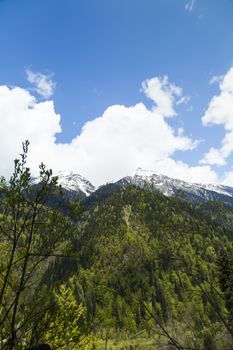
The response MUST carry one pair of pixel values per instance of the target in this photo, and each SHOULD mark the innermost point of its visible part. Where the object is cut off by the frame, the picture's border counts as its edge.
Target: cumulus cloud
(189, 5)
(108, 147)
(220, 112)
(163, 93)
(44, 85)
(213, 157)
(228, 178)
(21, 118)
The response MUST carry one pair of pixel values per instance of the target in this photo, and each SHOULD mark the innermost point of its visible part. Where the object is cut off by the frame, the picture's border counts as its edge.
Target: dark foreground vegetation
(135, 270)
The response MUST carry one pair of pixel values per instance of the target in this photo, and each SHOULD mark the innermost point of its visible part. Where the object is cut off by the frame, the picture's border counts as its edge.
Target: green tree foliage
(67, 326)
(134, 262)
(143, 254)
(225, 266)
(32, 235)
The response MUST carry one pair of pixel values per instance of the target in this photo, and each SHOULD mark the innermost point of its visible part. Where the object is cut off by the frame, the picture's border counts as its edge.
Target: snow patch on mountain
(159, 180)
(169, 186)
(74, 182)
(71, 181)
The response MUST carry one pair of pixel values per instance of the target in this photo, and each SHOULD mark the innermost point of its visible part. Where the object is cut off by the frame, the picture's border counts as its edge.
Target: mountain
(74, 185)
(74, 182)
(140, 263)
(168, 186)
(174, 187)
(139, 250)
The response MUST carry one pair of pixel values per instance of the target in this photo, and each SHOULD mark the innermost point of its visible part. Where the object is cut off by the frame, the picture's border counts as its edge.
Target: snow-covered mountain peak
(77, 185)
(151, 174)
(170, 186)
(74, 182)
(156, 178)
(71, 181)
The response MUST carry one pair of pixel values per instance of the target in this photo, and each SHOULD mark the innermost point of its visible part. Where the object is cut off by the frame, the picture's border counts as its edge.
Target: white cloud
(228, 178)
(163, 93)
(108, 147)
(220, 112)
(44, 85)
(180, 170)
(183, 100)
(21, 118)
(189, 5)
(213, 157)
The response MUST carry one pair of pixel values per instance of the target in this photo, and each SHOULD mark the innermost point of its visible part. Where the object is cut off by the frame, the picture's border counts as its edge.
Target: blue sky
(96, 54)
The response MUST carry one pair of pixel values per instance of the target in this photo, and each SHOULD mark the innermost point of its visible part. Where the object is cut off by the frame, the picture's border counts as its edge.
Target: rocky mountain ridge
(76, 185)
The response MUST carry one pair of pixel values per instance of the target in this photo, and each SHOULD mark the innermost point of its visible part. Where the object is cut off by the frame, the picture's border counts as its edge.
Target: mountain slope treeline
(146, 260)
(128, 269)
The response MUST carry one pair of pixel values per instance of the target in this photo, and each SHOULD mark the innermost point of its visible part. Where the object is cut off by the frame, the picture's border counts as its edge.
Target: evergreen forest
(132, 270)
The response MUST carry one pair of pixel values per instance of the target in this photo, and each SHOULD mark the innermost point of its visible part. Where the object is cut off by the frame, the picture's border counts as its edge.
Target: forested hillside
(146, 261)
(132, 270)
